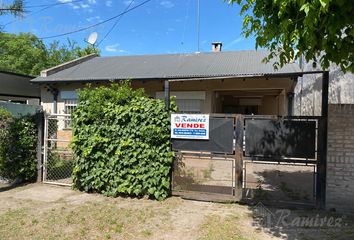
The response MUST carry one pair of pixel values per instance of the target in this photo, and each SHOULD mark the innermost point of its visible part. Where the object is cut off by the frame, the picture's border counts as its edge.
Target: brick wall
(340, 158)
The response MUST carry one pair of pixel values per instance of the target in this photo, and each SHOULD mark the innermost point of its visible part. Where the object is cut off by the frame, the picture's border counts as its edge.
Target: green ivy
(121, 142)
(18, 143)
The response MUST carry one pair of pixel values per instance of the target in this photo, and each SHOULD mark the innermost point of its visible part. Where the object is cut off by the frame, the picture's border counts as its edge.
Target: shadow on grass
(301, 223)
(9, 186)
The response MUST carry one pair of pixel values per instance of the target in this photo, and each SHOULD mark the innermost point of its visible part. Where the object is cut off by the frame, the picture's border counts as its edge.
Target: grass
(90, 216)
(89, 221)
(222, 228)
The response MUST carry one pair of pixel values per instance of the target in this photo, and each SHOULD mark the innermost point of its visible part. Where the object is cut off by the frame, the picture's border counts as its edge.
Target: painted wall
(308, 91)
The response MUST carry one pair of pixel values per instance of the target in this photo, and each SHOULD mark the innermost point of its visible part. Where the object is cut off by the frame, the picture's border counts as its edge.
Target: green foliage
(15, 8)
(25, 53)
(321, 29)
(58, 54)
(18, 142)
(121, 142)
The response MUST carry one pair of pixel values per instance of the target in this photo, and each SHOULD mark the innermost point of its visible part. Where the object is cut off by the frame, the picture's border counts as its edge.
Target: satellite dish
(92, 38)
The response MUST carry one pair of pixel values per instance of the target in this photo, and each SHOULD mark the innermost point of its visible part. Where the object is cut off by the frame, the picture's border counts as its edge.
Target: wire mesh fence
(58, 157)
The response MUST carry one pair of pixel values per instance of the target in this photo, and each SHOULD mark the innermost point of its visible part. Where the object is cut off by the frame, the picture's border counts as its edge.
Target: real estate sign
(190, 126)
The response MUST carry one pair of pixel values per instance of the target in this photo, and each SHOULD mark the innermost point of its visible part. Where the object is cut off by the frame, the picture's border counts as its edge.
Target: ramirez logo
(177, 119)
(285, 218)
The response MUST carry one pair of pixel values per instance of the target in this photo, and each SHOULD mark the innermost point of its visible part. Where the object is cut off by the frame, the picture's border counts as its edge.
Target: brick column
(340, 158)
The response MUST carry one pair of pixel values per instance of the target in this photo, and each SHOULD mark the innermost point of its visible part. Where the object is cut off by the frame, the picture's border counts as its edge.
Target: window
(189, 105)
(69, 107)
(186, 101)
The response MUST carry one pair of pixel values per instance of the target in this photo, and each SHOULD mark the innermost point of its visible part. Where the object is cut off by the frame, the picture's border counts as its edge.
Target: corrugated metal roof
(170, 66)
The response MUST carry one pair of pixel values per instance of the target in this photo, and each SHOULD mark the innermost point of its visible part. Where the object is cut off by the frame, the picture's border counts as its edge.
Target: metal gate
(281, 157)
(262, 158)
(210, 170)
(58, 159)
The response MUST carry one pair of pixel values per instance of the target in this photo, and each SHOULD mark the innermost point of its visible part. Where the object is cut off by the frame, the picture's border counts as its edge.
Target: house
(212, 82)
(17, 88)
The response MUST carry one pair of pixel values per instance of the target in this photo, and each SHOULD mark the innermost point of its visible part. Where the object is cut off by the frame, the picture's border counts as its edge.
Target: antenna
(92, 38)
(198, 24)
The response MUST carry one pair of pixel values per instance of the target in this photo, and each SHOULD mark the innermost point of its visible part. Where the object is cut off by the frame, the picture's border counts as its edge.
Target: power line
(46, 6)
(115, 24)
(97, 24)
(53, 4)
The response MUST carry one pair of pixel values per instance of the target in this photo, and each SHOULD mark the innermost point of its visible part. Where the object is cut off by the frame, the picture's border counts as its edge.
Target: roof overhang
(188, 78)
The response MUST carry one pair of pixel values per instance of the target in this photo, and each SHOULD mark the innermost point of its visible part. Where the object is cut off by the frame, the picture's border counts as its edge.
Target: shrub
(18, 143)
(121, 142)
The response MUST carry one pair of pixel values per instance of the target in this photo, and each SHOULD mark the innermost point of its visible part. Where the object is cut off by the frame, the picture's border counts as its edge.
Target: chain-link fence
(58, 157)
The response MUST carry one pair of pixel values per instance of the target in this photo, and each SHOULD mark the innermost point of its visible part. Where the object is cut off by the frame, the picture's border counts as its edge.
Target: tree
(25, 53)
(15, 8)
(63, 53)
(320, 30)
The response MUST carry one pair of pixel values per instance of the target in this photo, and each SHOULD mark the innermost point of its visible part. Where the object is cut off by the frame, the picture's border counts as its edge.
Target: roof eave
(269, 75)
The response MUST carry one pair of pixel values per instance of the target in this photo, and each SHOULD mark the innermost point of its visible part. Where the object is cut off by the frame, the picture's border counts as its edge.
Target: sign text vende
(190, 126)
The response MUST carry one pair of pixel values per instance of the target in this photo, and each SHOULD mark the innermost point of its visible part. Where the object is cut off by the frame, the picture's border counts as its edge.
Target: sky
(157, 27)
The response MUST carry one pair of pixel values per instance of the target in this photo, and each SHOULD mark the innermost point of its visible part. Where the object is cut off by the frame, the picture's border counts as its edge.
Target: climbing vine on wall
(121, 142)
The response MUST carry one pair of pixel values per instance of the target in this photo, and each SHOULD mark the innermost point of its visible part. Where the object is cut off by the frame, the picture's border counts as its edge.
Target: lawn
(40, 211)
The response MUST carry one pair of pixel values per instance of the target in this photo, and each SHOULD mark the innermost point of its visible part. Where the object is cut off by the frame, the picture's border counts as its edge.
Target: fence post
(167, 95)
(39, 121)
(322, 156)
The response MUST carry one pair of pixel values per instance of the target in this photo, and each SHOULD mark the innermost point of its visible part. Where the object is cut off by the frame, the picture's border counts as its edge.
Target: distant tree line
(26, 54)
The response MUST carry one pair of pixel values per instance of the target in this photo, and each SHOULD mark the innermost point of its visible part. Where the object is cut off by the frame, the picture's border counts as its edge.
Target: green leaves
(18, 142)
(25, 53)
(121, 142)
(305, 8)
(320, 29)
(15, 8)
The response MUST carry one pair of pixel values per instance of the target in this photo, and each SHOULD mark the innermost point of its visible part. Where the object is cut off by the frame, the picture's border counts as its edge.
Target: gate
(280, 159)
(210, 169)
(251, 158)
(58, 159)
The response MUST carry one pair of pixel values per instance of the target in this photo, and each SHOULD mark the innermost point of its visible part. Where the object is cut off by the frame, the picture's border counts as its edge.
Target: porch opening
(251, 101)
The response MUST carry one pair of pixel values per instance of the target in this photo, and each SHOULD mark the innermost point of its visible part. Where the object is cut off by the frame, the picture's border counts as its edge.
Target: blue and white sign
(190, 126)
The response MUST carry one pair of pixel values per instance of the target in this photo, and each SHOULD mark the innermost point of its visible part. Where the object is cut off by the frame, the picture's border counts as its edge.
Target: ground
(39, 211)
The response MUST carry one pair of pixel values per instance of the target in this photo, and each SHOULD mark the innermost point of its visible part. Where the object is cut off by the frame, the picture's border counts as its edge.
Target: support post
(40, 127)
(167, 95)
(290, 103)
(167, 107)
(322, 148)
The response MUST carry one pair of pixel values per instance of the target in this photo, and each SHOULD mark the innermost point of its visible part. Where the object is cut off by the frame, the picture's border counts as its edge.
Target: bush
(18, 143)
(121, 142)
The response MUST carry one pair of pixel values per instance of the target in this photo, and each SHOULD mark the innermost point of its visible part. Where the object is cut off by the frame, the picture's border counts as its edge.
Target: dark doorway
(240, 105)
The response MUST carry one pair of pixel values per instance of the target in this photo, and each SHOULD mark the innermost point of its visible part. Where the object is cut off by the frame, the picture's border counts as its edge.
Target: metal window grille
(69, 107)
